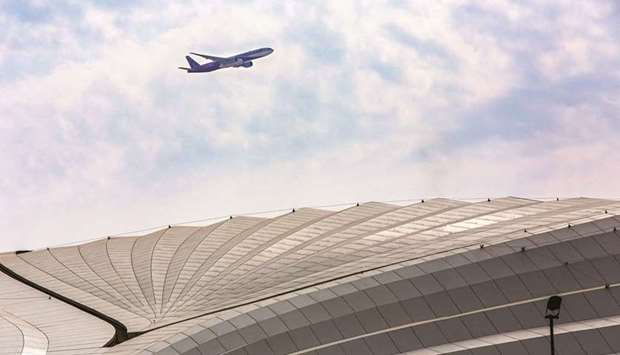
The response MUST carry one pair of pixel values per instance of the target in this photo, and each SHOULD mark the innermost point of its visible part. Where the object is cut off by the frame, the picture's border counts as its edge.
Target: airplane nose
(269, 50)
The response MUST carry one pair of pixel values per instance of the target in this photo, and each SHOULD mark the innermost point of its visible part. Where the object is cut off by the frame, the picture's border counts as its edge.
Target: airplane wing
(210, 57)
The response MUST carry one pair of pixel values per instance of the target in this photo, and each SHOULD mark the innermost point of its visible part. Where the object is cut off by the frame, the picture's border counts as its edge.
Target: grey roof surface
(439, 276)
(33, 323)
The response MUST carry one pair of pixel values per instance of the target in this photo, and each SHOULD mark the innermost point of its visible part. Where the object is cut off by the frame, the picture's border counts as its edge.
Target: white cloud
(361, 100)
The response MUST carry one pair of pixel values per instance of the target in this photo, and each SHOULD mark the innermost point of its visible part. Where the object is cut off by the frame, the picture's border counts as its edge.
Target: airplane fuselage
(239, 60)
(255, 54)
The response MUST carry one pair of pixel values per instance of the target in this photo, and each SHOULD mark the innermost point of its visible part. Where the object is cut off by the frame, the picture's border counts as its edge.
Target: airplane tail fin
(192, 63)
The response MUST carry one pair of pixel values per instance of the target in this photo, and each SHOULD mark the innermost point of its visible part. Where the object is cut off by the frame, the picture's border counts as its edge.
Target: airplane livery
(240, 60)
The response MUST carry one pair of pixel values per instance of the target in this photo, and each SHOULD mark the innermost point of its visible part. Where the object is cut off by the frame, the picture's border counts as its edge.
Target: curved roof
(33, 323)
(184, 279)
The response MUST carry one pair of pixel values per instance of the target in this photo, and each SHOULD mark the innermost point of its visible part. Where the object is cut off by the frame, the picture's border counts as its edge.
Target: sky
(361, 101)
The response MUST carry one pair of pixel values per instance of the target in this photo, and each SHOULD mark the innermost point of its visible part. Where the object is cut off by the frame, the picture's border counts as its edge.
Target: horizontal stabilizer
(210, 57)
(183, 68)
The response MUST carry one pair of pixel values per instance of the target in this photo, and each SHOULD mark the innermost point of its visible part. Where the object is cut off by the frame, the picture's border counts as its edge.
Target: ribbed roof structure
(31, 322)
(437, 276)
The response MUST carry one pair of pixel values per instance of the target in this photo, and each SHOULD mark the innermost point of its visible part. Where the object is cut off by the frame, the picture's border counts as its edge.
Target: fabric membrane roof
(173, 279)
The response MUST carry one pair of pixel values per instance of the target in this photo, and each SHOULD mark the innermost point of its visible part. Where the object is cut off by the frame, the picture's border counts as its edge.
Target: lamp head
(553, 307)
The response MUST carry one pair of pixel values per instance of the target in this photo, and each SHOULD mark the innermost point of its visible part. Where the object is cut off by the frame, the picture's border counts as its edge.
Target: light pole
(553, 312)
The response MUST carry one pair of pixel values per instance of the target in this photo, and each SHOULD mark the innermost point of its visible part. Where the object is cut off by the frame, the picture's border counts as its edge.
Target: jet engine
(247, 64)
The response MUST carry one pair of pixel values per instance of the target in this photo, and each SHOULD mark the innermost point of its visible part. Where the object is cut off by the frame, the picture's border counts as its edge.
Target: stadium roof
(438, 276)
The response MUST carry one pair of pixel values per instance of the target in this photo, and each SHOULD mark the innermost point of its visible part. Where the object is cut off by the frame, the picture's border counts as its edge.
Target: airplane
(239, 60)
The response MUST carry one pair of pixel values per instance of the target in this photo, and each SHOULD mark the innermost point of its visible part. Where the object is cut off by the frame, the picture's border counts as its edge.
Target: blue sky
(100, 133)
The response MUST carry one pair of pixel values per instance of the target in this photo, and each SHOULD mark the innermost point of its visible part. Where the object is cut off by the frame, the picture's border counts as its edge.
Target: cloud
(382, 100)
